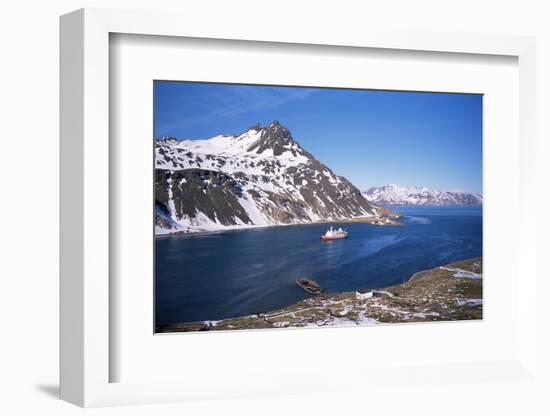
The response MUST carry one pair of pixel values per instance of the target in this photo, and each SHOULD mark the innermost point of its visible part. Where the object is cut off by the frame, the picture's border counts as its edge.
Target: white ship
(334, 234)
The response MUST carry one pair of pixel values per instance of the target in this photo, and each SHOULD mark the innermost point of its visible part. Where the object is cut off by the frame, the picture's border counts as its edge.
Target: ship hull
(333, 238)
(310, 286)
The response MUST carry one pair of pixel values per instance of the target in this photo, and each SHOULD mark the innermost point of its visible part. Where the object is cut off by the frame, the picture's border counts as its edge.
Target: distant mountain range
(400, 195)
(258, 178)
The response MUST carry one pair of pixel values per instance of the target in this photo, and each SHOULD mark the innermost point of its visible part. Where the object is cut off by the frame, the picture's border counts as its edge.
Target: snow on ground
(254, 213)
(463, 274)
(424, 314)
(171, 206)
(470, 302)
(202, 224)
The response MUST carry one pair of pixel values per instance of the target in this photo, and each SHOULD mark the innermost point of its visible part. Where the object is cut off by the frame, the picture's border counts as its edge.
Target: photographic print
(294, 207)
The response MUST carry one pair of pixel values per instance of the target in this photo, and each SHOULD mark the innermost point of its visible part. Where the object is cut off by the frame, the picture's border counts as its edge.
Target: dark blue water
(227, 274)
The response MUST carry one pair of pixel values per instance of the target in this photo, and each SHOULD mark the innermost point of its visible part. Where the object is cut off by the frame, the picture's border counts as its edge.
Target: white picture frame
(86, 355)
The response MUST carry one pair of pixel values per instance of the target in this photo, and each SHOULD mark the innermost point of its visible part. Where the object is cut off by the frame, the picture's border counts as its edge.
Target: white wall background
(29, 209)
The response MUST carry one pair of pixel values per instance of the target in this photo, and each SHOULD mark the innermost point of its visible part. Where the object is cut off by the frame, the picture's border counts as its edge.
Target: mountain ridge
(393, 194)
(260, 177)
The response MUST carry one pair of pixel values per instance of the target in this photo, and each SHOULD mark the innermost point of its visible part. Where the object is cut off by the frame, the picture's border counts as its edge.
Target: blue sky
(370, 137)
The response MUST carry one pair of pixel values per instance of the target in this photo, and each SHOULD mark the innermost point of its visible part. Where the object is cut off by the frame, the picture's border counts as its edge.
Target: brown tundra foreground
(448, 293)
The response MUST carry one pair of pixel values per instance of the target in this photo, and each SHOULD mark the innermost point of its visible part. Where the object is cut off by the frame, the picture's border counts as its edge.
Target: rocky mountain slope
(261, 177)
(399, 195)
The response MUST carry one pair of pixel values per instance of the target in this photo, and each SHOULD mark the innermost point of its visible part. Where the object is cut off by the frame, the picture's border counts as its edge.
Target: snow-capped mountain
(400, 195)
(258, 178)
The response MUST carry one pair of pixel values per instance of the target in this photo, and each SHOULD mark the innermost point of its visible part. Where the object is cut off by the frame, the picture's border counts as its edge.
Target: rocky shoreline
(451, 292)
(389, 219)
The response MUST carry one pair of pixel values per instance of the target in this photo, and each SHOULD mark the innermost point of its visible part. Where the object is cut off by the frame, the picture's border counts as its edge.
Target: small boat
(334, 234)
(310, 286)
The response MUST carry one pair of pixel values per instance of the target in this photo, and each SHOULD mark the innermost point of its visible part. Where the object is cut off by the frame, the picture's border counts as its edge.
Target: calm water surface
(227, 274)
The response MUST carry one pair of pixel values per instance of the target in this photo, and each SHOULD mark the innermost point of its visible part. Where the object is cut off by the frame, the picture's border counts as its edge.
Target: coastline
(383, 221)
(450, 292)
